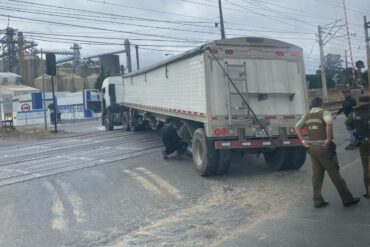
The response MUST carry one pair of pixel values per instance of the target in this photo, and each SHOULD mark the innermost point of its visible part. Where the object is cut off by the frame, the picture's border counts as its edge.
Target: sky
(163, 28)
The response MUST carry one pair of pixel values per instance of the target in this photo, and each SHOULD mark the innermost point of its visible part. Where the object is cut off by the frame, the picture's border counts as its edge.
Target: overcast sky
(166, 27)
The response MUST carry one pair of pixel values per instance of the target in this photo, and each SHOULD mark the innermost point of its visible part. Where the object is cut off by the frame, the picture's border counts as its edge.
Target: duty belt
(317, 143)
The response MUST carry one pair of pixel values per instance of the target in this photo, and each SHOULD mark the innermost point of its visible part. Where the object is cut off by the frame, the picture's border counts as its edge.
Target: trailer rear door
(272, 82)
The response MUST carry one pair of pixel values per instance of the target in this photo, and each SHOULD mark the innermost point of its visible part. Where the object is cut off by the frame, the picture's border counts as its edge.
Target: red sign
(25, 107)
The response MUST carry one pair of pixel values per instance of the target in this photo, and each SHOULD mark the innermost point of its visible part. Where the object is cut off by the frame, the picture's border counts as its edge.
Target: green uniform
(322, 158)
(359, 120)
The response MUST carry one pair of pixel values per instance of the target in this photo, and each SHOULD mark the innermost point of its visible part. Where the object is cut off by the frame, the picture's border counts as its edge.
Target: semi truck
(237, 95)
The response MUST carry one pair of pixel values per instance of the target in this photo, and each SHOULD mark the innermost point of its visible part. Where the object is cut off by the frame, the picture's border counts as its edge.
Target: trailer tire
(133, 125)
(277, 159)
(299, 158)
(125, 121)
(204, 153)
(108, 124)
(224, 161)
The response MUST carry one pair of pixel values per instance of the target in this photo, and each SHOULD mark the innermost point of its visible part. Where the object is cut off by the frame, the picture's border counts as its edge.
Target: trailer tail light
(294, 53)
(217, 132)
(224, 131)
(229, 52)
(280, 53)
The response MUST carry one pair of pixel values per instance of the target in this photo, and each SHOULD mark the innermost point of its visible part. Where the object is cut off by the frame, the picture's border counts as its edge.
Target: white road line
(57, 208)
(75, 201)
(148, 185)
(162, 183)
(348, 165)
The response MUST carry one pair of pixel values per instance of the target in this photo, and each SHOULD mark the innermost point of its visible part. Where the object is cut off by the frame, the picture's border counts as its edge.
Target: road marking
(348, 165)
(148, 185)
(57, 209)
(162, 183)
(75, 201)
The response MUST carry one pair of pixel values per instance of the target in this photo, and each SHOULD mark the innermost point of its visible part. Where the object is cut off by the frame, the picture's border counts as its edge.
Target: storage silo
(91, 80)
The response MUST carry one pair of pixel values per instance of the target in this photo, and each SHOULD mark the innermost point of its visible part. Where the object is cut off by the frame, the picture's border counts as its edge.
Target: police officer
(171, 141)
(359, 120)
(348, 104)
(319, 124)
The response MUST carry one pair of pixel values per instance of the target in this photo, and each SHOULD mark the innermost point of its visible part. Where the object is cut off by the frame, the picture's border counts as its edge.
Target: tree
(313, 81)
(333, 69)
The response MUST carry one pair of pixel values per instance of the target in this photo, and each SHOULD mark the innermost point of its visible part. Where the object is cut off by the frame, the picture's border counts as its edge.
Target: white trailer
(241, 94)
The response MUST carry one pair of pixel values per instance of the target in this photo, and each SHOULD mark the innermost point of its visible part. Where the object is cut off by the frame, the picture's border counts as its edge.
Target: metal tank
(109, 64)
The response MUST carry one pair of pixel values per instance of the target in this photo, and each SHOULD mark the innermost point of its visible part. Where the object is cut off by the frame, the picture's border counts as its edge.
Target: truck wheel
(108, 121)
(125, 121)
(277, 159)
(204, 153)
(299, 158)
(224, 160)
(133, 125)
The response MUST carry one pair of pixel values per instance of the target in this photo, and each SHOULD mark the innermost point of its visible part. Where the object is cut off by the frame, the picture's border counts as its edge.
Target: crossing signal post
(52, 71)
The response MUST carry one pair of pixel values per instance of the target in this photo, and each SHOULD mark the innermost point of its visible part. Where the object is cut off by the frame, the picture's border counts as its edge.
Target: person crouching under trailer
(171, 140)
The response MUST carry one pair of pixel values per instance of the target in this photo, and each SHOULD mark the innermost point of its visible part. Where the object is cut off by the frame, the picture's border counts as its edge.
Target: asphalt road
(90, 187)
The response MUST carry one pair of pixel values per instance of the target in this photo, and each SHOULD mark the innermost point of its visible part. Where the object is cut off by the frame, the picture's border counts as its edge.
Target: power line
(90, 27)
(111, 38)
(264, 15)
(109, 14)
(104, 21)
(143, 9)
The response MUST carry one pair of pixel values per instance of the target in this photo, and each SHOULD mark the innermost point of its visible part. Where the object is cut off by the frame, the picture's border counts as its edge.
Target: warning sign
(25, 107)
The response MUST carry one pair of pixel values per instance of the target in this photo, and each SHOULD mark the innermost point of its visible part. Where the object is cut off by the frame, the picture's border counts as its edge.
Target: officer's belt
(318, 143)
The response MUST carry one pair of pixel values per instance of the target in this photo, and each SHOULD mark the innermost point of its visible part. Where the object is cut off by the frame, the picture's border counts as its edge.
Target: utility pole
(367, 26)
(323, 73)
(137, 57)
(221, 20)
(128, 55)
(346, 59)
(43, 92)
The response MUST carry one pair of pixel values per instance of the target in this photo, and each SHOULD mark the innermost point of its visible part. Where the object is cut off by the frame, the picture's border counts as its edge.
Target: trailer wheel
(277, 159)
(108, 124)
(133, 124)
(299, 158)
(224, 160)
(204, 153)
(125, 121)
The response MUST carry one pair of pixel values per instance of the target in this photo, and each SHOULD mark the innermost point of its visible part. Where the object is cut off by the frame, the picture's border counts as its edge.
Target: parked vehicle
(240, 94)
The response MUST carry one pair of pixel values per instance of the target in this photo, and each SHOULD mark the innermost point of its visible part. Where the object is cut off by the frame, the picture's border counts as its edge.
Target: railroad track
(28, 162)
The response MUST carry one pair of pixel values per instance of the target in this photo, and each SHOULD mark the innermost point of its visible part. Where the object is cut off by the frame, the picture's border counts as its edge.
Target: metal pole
(54, 105)
(43, 92)
(137, 57)
(128, 55)
(346, 59)
(323, 73)
(221, 20)
(367, 26)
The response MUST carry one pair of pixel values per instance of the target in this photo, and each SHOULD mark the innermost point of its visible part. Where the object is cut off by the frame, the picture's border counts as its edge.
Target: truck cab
(112, 92)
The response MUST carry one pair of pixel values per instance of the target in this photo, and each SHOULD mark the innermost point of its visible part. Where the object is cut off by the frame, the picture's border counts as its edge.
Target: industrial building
(74, 72)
